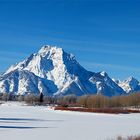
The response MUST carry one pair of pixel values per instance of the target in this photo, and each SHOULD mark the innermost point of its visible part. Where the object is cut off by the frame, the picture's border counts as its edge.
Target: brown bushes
(31, 99)
(103, 104)
(69, 100)
(129, 138)
(98, 110)
(100, 101)
(94, 101)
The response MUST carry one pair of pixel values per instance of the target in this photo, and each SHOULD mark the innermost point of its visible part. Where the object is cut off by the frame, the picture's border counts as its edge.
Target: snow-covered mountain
(55, 72)
(130, 85)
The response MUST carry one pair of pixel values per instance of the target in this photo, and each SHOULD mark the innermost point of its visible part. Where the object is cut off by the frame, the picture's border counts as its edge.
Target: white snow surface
(21, 122)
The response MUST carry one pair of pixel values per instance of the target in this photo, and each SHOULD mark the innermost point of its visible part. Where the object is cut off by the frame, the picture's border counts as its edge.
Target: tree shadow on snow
(12, 121)
(23, 120)
(22, 127)
(27, 119)
(19, 119)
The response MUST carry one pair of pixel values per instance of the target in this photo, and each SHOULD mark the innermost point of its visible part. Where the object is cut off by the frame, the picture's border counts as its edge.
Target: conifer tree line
(87, 101)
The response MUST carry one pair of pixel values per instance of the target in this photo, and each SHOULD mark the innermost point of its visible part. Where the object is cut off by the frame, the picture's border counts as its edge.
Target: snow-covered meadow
(21, 122)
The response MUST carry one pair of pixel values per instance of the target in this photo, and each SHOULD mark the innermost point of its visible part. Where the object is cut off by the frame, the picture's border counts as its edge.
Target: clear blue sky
(103, 34)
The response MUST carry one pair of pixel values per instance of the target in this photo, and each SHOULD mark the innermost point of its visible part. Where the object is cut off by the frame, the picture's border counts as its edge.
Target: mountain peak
(50, 49)
(103, 73)
(131, 78)
(130, 84)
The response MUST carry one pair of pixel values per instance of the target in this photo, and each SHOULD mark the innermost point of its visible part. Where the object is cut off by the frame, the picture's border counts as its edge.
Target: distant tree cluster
(100, 101)
(69, 100)
(87, 101)
(50, 100)
(7, 97)
(29, 98)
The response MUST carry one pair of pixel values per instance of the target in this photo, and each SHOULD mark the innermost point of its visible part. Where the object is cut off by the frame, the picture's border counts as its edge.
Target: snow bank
(18, 122)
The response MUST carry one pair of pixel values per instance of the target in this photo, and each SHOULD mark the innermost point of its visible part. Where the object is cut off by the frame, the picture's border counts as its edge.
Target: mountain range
(54, 72)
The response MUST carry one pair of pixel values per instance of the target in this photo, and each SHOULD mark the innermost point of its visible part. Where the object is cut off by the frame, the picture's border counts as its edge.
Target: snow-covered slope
(55, 72)
(23, 81)
(130, 85)
(105, 84)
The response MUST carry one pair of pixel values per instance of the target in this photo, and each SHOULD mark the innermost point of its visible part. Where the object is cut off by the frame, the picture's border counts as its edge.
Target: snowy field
(20, 122)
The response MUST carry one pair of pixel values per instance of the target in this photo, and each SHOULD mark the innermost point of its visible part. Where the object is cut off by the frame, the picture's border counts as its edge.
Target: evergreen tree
(41, 96)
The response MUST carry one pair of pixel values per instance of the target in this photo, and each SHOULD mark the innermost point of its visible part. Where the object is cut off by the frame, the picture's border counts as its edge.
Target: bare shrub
(31, 99)
(68, 100)
(5, 97)
(82, 101)
(129, 138)
(20, 98)
(100, 101)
